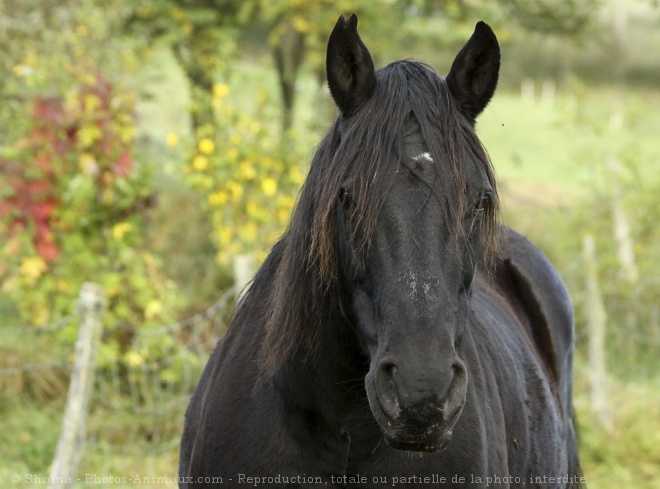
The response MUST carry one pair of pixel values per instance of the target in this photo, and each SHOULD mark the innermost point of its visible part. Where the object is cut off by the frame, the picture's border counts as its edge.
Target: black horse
(396, 334)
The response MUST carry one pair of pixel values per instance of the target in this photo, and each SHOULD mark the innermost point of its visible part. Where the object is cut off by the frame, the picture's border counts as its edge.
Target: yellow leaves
(89, 134)
(206, 146)
(172, 139)
(134, 358)
(32, 58)
(220, 90)
(108, 179)
(246, 171)
(296, 175)
(120, 230)
(108, 196)
(218, 198)
(200, 163)
(32, 267)
(301, 24)
(253, 210)
(283, 215)
(503, 34)
(249, 232)
(231, 154)
(225, 235)
(254, 127)
(269, 186)
(63, 286)
(81, 30)
(126, 133)
(286, 202)
(22, 71)
(91, 102)
(87, 164)
(250, 177)
(154, 308)
(235, 189)
(262, 96)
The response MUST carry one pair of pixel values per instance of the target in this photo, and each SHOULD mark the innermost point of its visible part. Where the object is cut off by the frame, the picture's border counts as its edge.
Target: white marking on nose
(420, 285)
(425, 156)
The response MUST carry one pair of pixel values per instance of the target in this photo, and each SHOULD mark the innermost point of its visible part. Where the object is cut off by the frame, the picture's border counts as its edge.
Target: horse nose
(420, 393)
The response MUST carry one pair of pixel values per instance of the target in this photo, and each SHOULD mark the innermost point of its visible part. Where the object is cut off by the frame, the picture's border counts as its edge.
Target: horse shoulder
(525, 274)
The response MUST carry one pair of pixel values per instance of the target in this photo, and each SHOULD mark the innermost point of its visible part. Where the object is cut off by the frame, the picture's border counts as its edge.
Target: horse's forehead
(413, 143)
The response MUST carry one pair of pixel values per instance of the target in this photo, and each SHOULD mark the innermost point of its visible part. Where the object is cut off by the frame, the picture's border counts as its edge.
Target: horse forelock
(361, 152)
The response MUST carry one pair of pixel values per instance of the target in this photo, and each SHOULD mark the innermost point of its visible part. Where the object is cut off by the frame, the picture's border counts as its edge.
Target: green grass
(627, 455)
(561, 148)
(30, 431)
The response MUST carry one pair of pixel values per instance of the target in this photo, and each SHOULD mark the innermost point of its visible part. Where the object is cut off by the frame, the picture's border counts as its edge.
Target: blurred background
(156, 148)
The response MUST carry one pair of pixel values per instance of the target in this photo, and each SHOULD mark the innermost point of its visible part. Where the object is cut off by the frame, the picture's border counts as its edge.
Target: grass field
(549, 157)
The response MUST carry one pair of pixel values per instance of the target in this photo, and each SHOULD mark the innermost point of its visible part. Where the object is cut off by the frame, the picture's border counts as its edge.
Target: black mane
(298, 275)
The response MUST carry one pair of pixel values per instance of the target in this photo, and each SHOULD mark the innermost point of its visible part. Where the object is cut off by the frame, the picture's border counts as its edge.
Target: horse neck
(331, 375)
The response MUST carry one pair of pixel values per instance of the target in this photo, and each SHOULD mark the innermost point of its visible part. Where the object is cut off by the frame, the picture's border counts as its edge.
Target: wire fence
(135, 408)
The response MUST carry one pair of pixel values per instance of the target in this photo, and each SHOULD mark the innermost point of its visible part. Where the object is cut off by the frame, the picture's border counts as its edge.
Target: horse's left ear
(473, 75)
(349, 67)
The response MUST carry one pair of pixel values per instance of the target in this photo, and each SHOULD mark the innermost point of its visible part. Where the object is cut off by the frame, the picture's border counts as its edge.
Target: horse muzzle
(417, 409)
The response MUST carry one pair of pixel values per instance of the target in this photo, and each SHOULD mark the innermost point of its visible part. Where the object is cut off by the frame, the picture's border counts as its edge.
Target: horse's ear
(473, 75)
(349, 67)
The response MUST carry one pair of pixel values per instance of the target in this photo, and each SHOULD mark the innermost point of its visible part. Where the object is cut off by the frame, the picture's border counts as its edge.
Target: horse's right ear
(349, 67)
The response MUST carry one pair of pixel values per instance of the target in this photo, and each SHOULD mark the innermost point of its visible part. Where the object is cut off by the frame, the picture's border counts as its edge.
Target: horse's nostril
(389, 369)
(387, 388)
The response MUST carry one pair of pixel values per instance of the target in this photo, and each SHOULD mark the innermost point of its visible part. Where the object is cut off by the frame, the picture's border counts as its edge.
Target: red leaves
(58, 137)
(49, 111)
(123, 165)
(31, 202)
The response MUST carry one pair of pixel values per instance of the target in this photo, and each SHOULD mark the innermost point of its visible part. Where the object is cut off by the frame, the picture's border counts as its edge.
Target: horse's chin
(417, 437)
(430, 444)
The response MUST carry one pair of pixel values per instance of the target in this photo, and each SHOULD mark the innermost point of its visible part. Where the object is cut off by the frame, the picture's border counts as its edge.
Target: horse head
(414, 201)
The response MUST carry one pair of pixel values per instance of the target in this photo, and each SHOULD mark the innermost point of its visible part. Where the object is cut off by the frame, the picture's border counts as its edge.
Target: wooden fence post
(527, 90)
(244, 266)
(624, 250)
(72, 437)
(596, 329)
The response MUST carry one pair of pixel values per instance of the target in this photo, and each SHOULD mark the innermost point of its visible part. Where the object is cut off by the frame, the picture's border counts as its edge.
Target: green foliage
(560, 17)
(75, 196)
(626, 456)
(248, 174)
(202, 36)
(75, 207)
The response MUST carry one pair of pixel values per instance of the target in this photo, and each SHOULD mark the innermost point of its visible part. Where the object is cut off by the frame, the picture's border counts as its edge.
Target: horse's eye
(484, 201)
(344, 197)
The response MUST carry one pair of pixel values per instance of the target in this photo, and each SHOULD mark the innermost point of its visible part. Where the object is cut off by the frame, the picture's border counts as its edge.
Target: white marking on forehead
(426, 156)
